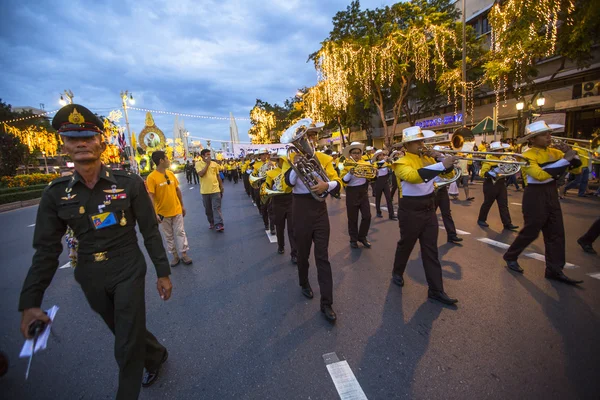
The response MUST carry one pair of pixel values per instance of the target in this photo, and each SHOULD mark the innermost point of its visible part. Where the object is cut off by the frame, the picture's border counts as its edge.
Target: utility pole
(125, 97)
(464, 62)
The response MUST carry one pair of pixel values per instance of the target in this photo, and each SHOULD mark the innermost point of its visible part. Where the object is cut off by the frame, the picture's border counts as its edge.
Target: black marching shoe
(586, 247)
(442, 297)
(379, 215)
(511, 227)
(366, 243)
(483, 223)
(561, 277)
(280, 250)
(307, 291)
(294, 260)
(273, 233)
(354, 245)
(454, 239)
(514, 266)
(398, 280)
(329, 313)
(393, 218)
(152, 376)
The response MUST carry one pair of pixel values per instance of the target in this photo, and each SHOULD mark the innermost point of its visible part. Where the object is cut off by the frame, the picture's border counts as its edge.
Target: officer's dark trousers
(382, 186)
(188, 176)
(196, 177)
(417, 220)
(282, 207)
(541, 212)
(442, 200)
(246, 180)
(592, 234)
(115, 290)
(235, 175)
(311, 224)
(357, 199)
(496, 193)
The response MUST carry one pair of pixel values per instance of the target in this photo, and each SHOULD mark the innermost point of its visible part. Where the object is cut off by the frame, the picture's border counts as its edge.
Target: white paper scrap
(42, 339)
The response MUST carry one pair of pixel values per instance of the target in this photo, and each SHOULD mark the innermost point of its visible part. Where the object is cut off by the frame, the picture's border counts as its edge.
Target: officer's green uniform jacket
(68, 201)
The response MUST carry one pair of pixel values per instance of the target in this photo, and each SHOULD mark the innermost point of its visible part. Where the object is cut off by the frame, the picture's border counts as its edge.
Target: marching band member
(541, 207)
(246, 167)
(382, 184)
(311, 225)
(269, 204)
(494, 189)
(263, 159)
(368, 154)
(416, 212)
(282, 205)
(357, 197)
(336, 160)
(442, 201)
(589, 237)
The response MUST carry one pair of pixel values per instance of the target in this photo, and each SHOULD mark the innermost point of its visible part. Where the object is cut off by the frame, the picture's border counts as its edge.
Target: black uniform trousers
(311, 224)
(195, 176)
(282, 209)
(592, 234)
(382, 186)
(442, 200)
(235, 175)
(115, 289)
(357, 199)
(496, 193)
(394, 185)
(270, 214)
(541, 212)
(246, 180)
(417, 220)
(188, 175)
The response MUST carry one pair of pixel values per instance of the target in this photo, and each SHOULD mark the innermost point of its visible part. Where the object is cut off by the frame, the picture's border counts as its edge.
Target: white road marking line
(343, 378)
(272, 238)
(517, 204)
(494, 243)
(457, 231)
(29, 226)
(595, 275)
(67, 265)
(382, 208)
(541, 257)
(191, 187)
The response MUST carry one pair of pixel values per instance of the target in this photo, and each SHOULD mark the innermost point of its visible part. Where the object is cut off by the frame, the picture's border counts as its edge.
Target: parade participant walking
(259, 171)
(211, 188)
(541, 207)
(589, 237)
(494, 189)
(311, 224)
(164, 191)
(188, 171)
(382, 184)
(416, 212)
(442, 201)
(580, 175)
(463, 165)
(102, 207)
(357, 196)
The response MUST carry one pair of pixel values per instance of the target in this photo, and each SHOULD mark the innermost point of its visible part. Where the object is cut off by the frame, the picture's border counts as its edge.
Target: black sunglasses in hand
(167, 178)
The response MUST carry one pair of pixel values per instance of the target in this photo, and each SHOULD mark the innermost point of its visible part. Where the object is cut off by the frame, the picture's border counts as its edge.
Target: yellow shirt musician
(257, 177)
(541, 206)
(416, 211)
(494, 188)
(382, 183)
(309, 214)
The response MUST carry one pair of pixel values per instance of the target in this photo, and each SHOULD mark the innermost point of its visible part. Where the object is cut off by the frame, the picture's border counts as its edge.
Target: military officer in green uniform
(102, 207)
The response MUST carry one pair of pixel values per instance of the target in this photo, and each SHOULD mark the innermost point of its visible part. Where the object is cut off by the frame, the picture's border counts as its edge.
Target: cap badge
(76, 118)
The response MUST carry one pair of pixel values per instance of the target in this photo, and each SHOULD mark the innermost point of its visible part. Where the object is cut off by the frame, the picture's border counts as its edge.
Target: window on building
(485, 25)
(477, 27)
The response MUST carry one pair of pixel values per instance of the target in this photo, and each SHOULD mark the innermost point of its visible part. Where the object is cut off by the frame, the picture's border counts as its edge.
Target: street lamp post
(529, 109)
(69, 98)
(45, 160)
(125, 98)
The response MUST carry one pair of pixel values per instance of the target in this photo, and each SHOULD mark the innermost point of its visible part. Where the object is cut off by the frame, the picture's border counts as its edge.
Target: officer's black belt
(107, 255)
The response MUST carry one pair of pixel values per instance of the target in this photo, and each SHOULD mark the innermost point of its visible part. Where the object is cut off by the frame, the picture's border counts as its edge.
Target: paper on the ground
(42, 339)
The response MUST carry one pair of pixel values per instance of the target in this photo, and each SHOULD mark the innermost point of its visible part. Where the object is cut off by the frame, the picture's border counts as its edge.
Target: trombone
(427, 148)
(593, 149)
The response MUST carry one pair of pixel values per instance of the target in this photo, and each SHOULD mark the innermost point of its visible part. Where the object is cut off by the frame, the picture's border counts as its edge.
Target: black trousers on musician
(442, 201)
(263, 209)
(357, 200)
(495, 193)
(246, 180)
(592, 234)
(382, 186)
(311, 225)
(394, 188)
(235, 175)
(270, 214)
(541, 213)
(282, 208)
(417, 220)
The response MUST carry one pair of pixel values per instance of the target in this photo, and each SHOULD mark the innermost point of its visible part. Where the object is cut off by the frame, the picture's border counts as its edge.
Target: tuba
(361, 170)
(276, 189)
(256, 180)
(306, 165)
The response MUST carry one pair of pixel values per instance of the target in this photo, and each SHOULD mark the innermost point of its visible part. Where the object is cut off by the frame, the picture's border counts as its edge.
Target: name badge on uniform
(120, 196)
(104, 220)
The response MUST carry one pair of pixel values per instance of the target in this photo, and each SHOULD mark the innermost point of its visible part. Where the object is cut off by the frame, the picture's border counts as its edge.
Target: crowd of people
(102, 207)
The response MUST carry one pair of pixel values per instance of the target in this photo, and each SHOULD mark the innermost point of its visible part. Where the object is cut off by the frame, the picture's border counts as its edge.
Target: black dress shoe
(307, 291)
(514, 265)
(354, 245)
(379, 215)
(511, 227)
(398, 280)
(393, 218)
(442, 297)
(561, 277)
(280, 250)
(329, 313)
(483, 223)
(586, 247)
(366, 243)
(294, 260)
(273, 233)
(454, 239)
(151, 376)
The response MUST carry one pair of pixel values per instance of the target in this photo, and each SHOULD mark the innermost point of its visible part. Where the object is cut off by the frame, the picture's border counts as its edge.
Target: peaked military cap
(74, 120)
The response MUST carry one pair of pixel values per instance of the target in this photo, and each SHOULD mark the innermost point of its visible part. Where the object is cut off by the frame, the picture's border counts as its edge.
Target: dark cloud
(198, 57)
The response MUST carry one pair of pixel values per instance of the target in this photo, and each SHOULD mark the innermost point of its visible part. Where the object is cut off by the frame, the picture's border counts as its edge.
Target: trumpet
(593, 150)
(366, 171)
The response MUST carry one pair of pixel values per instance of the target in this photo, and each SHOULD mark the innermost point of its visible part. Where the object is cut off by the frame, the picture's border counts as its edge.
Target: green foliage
(21, 196)
(7, 190)
(26, 180)
(11, 154)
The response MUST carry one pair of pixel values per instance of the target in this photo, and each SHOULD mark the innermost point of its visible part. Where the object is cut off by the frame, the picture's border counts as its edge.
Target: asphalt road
(237, 326)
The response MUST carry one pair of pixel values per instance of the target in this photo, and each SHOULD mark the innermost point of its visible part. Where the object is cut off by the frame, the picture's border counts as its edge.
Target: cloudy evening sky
(198, 57)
